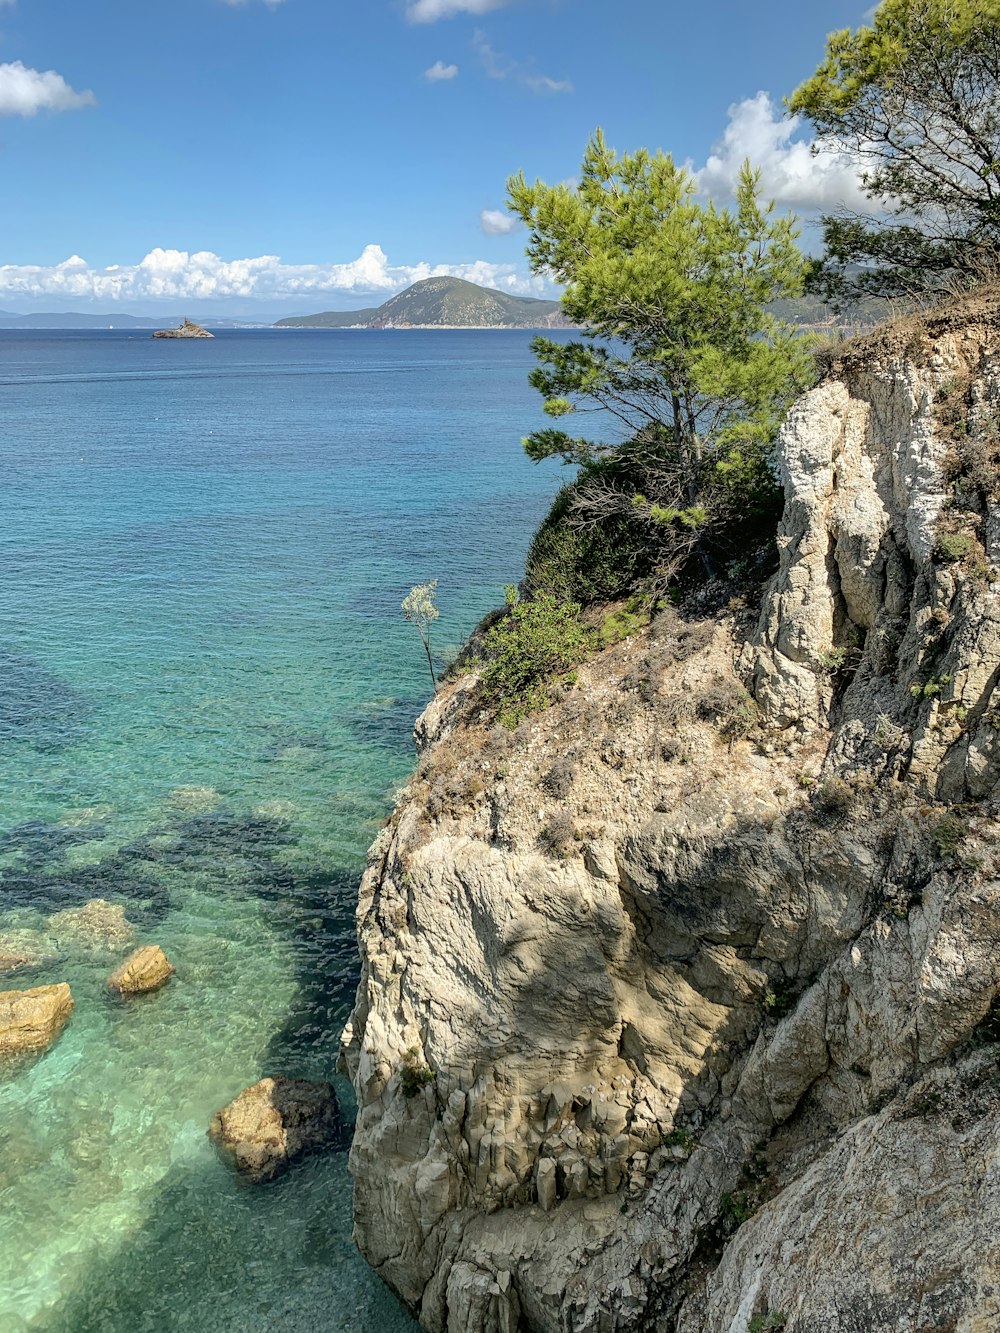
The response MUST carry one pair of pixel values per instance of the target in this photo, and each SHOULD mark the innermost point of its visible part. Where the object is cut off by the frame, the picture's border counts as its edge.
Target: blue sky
(296, 155)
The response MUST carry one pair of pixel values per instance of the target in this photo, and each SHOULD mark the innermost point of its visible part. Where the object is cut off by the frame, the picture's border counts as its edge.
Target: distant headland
(185, 330)
(441, 303)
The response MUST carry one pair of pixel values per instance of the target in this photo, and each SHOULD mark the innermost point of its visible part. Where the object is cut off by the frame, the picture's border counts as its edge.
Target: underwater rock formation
(98, 926)
(25, 951)
(678, 1006)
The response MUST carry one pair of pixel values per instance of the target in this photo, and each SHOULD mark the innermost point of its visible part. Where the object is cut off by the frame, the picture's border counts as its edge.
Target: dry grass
(912, 334)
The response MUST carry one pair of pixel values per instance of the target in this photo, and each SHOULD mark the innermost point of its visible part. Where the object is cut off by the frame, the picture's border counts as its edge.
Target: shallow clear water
(206, 695)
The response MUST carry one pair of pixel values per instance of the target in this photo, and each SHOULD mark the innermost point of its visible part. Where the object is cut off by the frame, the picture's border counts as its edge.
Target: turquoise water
(206, 695)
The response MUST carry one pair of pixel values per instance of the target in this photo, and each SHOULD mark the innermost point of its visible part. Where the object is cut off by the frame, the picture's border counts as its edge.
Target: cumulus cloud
(439, 71)
(499, 66)
(429, 11)
(24, 91)
(791, 173)
(172, 275)
(495, 222)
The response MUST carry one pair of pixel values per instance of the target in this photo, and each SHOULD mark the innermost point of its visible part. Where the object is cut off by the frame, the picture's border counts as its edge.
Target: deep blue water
(206, 695)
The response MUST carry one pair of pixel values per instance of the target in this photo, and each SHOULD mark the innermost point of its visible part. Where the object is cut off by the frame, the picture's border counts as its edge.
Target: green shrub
(623, 623)
(535, 642)
(768, 1323)
(953, 546)
(414, 1075)
(679, 1138)
(593, 563)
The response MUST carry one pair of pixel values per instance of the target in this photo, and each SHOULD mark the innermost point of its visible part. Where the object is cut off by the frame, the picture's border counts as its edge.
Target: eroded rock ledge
(676, 1007)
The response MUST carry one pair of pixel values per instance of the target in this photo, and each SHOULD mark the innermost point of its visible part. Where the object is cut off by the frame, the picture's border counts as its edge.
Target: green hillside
(440, 302)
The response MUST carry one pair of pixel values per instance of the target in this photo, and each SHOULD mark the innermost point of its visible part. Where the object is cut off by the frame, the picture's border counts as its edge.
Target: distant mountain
(441, 303)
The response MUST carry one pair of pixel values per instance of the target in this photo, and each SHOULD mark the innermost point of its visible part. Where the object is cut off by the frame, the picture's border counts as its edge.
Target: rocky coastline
(678, 1005)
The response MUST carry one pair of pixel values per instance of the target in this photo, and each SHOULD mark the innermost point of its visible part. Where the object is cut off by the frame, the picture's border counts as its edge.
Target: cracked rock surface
(669, 1025)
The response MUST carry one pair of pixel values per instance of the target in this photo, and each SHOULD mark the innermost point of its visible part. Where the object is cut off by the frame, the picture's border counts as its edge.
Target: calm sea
(206, 696)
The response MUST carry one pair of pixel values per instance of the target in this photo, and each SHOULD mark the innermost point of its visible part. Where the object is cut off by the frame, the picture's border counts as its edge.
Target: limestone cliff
(677, 1004)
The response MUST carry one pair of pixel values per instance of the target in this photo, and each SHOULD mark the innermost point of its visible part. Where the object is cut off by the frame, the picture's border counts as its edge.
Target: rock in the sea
(98, 926)
(275, 1121)
(145, 969)
(30, 1020)
(186, 330)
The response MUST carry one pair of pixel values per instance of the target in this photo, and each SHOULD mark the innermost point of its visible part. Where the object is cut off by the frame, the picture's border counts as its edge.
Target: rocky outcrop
(145, 969)
(185, 330)
(30, 1020)
(275, 1121)
(678, 1006)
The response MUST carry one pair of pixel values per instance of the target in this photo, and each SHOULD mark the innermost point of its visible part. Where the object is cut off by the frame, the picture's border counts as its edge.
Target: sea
(207, 693)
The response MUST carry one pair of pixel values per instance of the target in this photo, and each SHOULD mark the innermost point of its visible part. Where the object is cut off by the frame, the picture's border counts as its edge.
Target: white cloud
(24, 91)
(495, 222)
(237, 4)
(791, 173)
(499, 66)
(172, 275)
(440, 71)
(429, 11)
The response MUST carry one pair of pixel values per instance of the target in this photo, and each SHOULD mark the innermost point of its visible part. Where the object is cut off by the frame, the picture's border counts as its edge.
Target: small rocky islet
(186, 330)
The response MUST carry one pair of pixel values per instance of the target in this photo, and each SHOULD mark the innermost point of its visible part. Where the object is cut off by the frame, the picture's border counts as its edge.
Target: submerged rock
(98, 926)
(194, 800)
(30, 1020)
(145, 969)
(274, 1121)
(25, 951)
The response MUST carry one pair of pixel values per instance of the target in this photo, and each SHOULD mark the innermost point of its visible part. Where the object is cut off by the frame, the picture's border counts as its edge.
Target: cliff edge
(678, 1007)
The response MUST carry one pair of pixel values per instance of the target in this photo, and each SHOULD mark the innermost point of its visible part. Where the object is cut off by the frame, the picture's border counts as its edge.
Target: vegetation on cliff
(687, 368)
(915, 99)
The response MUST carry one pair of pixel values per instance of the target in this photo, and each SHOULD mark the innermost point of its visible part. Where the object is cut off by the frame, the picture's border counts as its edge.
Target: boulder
(30, 1020)
(145, 969)
(275, 1121)
(98, 926)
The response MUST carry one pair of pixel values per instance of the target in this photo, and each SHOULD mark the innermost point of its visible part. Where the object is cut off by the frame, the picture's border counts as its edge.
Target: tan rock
(274, 1121)
(145, 969)
(30, 1020)
(98, 926)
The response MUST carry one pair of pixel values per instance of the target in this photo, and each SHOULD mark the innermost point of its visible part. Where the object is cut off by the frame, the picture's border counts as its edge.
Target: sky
(259, 158)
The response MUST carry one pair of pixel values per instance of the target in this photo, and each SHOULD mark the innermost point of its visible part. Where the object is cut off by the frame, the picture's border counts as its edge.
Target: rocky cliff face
(677, 1007)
